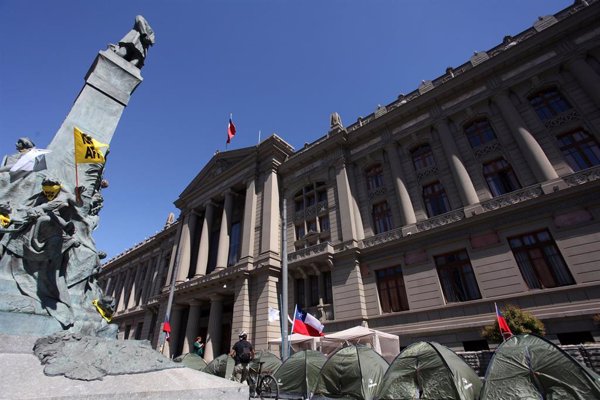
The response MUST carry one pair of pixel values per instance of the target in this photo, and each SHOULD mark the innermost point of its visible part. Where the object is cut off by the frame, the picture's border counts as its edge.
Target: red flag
(167, 329)
(502, 324)
(306, 324)
(230, 130)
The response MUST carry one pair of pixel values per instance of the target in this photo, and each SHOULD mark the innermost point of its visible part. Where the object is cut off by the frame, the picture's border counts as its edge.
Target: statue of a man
(134, 45)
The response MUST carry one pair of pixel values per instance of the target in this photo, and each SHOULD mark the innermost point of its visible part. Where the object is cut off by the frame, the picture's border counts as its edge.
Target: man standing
(242, 352)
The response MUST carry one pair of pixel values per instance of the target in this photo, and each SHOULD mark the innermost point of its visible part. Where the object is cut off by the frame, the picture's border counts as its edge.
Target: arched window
(422, 157)
(548, 103)
(479, 132)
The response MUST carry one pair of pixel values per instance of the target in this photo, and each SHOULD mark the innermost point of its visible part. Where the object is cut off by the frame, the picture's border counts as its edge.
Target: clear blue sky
(279, 66)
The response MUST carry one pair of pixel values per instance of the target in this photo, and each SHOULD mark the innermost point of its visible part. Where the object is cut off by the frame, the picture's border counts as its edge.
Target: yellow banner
(87, 149)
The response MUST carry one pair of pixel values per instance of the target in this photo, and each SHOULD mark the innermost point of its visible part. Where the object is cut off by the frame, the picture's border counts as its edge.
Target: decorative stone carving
(544, 22)
(482, 151)
(381, 238)
(427, 172)
(381, 110)
(515, 197)
(562, 119)
(378, 192)
(312, 251)
(440, 220)
(425, 87)
(582, 177)
(479, 57)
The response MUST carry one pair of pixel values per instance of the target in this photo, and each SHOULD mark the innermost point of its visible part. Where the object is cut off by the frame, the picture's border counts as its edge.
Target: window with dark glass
(539, 260)
(300, 232)
(500, 177)
(392, 293)
(382, 217)
(549, 103)
(457, 277)
(313, 284)
(300, 293)
(436, 201)
(422, 157)
(327, 290)
(311, 226)
(580, 149)
(234, 244)
(374, 177)
(479, 132)
(324, 223)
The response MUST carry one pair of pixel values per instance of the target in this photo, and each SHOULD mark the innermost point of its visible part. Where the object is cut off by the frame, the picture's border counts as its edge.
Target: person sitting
(199, 346)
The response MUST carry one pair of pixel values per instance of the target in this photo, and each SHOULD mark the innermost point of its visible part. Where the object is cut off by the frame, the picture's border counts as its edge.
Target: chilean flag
(230, 130)
(306, 324)
(502, 324)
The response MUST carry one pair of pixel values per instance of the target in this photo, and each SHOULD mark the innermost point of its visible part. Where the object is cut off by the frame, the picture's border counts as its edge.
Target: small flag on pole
(502, 324)
(230, 129)
(87, 149)
(305, 324)
(167, 329)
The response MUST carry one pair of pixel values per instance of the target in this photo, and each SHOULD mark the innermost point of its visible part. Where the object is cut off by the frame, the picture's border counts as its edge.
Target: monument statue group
(50, 201)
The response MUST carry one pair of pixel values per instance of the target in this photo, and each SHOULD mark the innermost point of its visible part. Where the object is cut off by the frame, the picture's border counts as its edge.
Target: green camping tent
(270, 362)
(299, 373)
(530, 367)
(221, 366)
(353, 372)
(192, 360)
(428, 370)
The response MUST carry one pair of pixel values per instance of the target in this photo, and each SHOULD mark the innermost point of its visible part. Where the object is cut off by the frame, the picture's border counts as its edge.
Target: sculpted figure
(336, 121)
(134, 45)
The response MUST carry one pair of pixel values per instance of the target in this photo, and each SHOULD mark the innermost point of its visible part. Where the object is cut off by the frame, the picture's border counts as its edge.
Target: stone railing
(381, 238)
(309, 252)
(582, 177)
(561, 119)
(518, 196)
(441, 220)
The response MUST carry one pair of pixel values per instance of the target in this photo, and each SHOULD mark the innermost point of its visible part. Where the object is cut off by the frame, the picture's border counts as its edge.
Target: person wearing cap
(242, 352)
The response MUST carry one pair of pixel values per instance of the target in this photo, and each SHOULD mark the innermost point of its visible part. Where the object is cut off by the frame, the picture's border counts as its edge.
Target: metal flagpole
(171, 294)
(284, 284)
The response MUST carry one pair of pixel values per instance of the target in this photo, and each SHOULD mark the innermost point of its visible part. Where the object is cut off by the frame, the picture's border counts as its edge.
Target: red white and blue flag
(502, 324)
(305, 324)
(230, 130)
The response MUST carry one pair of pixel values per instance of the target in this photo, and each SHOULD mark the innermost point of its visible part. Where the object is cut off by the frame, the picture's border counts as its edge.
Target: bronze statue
(134, 45)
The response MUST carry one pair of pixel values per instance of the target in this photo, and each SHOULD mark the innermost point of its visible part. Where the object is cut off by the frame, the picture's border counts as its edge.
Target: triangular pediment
(222, 166)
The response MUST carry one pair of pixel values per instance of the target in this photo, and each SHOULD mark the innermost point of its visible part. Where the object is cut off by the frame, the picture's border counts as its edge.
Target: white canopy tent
(298, 342)
(386, 344)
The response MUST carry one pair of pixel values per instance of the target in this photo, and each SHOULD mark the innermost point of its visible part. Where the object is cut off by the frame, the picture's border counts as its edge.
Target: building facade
(481, 186)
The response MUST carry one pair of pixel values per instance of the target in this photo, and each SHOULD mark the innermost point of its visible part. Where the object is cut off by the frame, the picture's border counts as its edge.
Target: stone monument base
(22, 377)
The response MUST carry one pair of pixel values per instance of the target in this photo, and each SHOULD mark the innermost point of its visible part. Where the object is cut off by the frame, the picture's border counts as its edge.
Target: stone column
(134, 286)
(247, 249)
(406, 207)
(360, 232)
(192, 329)
(172, 266)
(153, 278)
(189, 223)
(157, 275)
(213, 337)
(223, 250)
(531, 149)
(466, 190)
(586, 77)
(270, 214)
(345, 203)
(203, 247)
(124, 289)
(242, 318)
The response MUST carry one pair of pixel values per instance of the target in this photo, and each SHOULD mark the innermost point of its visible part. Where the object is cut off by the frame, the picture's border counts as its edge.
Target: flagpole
(284, 281)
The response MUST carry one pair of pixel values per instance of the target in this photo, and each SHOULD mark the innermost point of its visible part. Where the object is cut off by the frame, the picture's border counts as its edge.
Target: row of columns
(533, 153)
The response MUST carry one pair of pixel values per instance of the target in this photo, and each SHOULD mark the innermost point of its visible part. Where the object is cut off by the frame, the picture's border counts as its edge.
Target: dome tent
(192, 360)
(428, 370)
(221, 366)
(299, 373)
(530, 367)
(270, 362)
(353, 372)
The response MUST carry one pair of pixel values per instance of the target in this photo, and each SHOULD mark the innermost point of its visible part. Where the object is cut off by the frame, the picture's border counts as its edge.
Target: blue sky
(279, 66)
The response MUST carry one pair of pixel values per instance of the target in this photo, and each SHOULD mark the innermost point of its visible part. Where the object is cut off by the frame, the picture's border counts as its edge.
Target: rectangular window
(580, 149)
(313, 284)
(435, 199)
(300, 232)
(324, 223)
(374, 177)
(422, 157)
(549, 103)
(392, 293)
(138, 330)
(234, 244)
(300, 298)
(457, 277)
(311, 225)
(539, 260)
(479, 132)
(500, 177)
(327, 289)
(382, 217)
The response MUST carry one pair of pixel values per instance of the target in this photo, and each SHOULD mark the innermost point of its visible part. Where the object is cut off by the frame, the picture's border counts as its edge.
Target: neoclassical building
(481, 186)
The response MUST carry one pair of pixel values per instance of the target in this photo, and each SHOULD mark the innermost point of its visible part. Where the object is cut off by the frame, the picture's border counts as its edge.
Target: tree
(519, 322)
